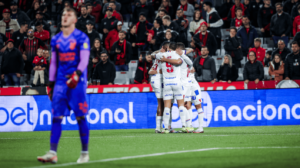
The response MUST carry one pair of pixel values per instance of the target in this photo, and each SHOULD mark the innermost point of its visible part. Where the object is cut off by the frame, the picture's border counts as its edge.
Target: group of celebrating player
(173, 78)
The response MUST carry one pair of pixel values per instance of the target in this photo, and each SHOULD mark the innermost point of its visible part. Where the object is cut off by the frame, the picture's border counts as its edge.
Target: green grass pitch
(273, 146)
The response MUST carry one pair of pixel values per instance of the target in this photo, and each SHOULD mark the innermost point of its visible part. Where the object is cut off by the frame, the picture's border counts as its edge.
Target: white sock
(166, 117)
(191, 116)
(182, 111)
(158, 122)
(188, 119)
(200, 118)
(52, 151)
(170, 120)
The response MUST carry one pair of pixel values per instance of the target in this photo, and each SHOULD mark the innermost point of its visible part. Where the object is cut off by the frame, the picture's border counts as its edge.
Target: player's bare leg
(84, 137)
(159, 115)
(200, 118)
(51, 156)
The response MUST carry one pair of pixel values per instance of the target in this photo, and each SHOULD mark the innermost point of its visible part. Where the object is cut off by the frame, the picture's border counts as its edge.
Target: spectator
(247, 33)
(195, 24)
(12, 65)
(253, 11)
(39, 17)
(246, 4)
(281, 25)
(84, 17)
(17, 14)
(131, 38)
(95, 54)
(237, 4)
(294, 12)
(24, 5)
(238, 20)
(200, 6)
(46, 55)
(39, 65)
(144, 7)
(168, 24)
(19, 35)
(90, 31)
(105, 71)
(253, 70)
(121, 51)
(161, 13)
(276, 68)
(282, 50)
(291, 67)
(95, 9)
(296, 22)
(223, 11)
(31, 13)
(40, 33)
(205, 67)
(205, 38)
(115, 14)
(264, 16)
(166, 4)
(188, 10)
(28, 48)
(233, 47)
(184, 25)
(227, 71)
(143, 33)
(3, 39)
(214, 21)
(118, 6)
(196, 48)
(46, 13)
(141, 73)
(259, 51)
(158, 27)
(288, 6)
(126, 9)
(113, 36)
(107, 24)
(268, 58)
(7, 25)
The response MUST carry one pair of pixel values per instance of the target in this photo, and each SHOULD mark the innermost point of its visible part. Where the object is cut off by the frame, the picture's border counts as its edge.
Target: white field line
(166, 153)
(173, 135)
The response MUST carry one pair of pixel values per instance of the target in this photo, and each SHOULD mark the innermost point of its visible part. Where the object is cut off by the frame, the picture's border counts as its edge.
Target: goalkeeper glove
(74, 79)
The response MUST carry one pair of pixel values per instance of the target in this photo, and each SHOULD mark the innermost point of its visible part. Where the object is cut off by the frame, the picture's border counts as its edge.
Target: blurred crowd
(122, 31)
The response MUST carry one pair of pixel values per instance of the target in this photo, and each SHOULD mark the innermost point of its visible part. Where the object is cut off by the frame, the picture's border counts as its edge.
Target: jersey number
(169, 66)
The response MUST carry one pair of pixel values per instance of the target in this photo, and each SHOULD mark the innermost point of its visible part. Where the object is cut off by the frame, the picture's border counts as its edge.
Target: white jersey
(170, 72)
(185, 70)
(156, 67)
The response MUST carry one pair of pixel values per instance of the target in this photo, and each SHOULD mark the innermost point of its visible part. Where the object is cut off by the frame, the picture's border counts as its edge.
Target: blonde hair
(229, 58)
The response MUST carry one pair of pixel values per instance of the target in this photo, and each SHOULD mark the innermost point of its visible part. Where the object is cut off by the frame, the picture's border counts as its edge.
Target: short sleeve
(84, 42)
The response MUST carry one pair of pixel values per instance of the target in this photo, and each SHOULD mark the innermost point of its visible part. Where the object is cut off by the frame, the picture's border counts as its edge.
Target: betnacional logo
(22, 115)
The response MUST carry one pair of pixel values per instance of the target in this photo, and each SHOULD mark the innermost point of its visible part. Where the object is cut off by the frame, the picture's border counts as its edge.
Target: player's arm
(188, 51)
(172, 61)
(187, 60)
(84, 61)
(52, 71)
(152, 72)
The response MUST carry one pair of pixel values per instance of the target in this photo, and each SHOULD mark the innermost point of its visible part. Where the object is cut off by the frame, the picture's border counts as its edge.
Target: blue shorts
(66, 99)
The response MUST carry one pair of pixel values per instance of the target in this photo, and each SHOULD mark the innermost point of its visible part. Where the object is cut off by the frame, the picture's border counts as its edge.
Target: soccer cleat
(184, 130)
(84, 157)
(198, 131)
(48, 157)
(173, 131)
(165, 131)
(190, 129)
(157, 131)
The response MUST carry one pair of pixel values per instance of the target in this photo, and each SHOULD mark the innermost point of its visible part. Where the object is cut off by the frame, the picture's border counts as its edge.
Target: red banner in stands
(240, 85)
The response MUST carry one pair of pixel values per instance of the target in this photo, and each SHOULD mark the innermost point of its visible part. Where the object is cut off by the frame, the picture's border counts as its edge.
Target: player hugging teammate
(173, 77)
